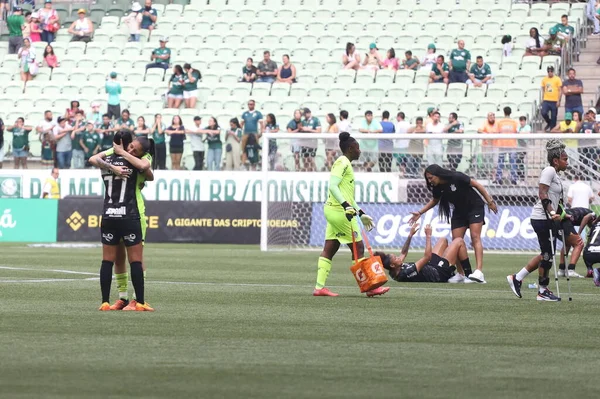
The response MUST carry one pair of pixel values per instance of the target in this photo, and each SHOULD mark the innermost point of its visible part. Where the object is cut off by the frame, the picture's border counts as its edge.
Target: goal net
(390, 184)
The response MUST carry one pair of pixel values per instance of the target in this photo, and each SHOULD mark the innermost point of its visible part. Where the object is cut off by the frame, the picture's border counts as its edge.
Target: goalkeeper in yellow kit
(340, 211)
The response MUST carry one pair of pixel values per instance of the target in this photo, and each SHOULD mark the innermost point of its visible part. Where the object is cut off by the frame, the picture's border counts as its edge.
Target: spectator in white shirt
(435, 149)
(134, 22)
(197, 143)
(344, 124)
(580, 194)
(401, 145)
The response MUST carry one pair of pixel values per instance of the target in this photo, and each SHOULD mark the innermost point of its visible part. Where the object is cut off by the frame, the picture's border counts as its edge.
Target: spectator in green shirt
(190, 85)
(20, 143)
(113, 89)
(78, 156)
(176, 82)
(161, 57)
(480, 73)
(125, 122)
(460, 63)
(106, 130)
(158, 134)
(90, 143)
(565, 31)
(439, 71)
(15, 24)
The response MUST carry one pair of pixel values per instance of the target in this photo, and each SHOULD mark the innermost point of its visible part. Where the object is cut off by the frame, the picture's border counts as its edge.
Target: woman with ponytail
(464, 193)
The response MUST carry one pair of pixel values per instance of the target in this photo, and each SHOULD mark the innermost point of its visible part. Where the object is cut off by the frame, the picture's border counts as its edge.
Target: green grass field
(232, 322)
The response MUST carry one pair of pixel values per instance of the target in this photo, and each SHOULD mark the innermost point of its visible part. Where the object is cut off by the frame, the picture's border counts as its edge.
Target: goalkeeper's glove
(366, 220)
(349, 210)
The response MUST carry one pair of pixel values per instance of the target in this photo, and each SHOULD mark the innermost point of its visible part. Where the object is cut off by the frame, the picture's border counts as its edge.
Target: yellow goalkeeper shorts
(338, 226)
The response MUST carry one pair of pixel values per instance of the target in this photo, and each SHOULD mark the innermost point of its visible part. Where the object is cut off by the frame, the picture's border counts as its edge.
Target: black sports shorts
(443, 268)
(467, 217)
(128, 230)
(568, 228)
(591, 258)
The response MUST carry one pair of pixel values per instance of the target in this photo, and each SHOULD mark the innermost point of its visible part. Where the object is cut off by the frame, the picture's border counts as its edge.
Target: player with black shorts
(121, 219)
(580, 217)
(591, 253)
(433, 267)
(464, 193)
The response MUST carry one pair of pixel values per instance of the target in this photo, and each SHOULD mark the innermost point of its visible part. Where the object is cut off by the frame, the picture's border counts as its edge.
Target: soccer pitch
(232, 322)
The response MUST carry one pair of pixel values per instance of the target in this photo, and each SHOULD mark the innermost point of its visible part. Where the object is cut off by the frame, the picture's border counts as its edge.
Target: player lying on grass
(581, 217)
(121, 216)
(434, 266)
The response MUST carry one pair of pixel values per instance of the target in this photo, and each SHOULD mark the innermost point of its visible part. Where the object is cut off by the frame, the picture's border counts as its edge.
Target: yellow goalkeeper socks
(323, 269)
(122, 284)
(134, 298)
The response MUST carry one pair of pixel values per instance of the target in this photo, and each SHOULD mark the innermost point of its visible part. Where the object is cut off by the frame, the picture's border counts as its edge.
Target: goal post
(389, 179)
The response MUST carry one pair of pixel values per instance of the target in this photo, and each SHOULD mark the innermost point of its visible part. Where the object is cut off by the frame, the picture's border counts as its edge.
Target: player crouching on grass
(581, 217)
(591, 253)
(434, 266)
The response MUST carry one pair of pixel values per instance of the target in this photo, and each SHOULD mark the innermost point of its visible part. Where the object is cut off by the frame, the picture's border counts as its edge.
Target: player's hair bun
(555, 145)
(344, 136)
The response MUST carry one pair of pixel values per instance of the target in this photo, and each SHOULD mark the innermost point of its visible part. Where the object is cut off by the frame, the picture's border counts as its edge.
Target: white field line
(47, 270)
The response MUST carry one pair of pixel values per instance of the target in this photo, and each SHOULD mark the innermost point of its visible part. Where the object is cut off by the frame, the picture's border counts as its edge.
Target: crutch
(552, 246)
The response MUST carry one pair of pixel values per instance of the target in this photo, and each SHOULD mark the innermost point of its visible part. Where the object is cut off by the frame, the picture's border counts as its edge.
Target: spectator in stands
(489, 126)
(460, 63)
(1, 138)
(534, 45)
(149, 16)
(113, 89)
(20, 142)
(72, 111)
(158, 134)
(454, 147)
(252, 123)
(593, 16)
(386, 147)
(197, 142)
(125, 122)
(401, 145)
(35, 34)
(572, 89)
(480, 73)
(580, 194)
(15, 24)
(369, 147)
(390, 62)
(553, 45)
(308, 147)
(439, 71)
(551, 93)
(435, 148)
(286, 72)
(78, 155)
(50, 21)
(416, 150)
(569, 125)
(271, 127)
(409, 62)
(134, 22)
(177, 133)
(249, 71)
(507, 46)
(331, 144)
(525, 128)
(430, 57)
(267, 69)
(351, 58)
(141, 130)
(63, 136)
(344, 124)
(215, 145)
(50, 57)
(82, 28)
(507, 147)
(233, 138)
(91, 142)
(95, 116)
(175, 93)
(587, 150)
(372, 59)
(294, 126)
(565, 31)
(45, 132)
(190, 85)
(252, 152)
(106, 131)
(161, 56)
(28, 66)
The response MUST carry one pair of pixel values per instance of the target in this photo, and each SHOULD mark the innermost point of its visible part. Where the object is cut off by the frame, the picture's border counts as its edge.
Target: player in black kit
(591, 253)
(574, 217)
(121, 218)
(433, 267)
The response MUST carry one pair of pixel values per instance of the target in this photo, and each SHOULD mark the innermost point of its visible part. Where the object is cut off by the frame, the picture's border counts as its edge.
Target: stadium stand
(217, 37)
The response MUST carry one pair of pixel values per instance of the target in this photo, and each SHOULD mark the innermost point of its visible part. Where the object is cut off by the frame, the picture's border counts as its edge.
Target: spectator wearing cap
(460, 63)
(569, 126)
(161, 56)
(308, 147)
(49, 20)
(82, 28)
(480, 73)
(34, 28)
(113, 89)
(95, 116)
(149, 16)
(15, 24)
(249, 71)
(372, 59)
(553, 45)
(351, 58)
(572, 89)
(430, 57)
(134, 22)
(267, 69)
(370, 147)
(551, 89)
(439, 71)
(63, 136)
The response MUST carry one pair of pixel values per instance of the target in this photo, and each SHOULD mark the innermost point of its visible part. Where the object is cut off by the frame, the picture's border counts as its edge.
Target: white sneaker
(457, 279)
(574, 274)
(476, 277)
(561, 273)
